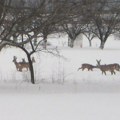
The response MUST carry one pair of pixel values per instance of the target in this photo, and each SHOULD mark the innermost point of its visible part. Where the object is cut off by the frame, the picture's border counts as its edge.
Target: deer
(110, 67)
(87, 66)
(23, 64)
(18, 65)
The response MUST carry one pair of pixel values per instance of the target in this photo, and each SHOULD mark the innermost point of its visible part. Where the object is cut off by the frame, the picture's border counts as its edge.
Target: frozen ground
(61, 92)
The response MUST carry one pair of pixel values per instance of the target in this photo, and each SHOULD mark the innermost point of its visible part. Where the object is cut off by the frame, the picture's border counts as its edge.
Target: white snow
(61, 92)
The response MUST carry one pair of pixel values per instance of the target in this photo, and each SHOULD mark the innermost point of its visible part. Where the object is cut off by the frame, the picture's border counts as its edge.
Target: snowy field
(61, 92)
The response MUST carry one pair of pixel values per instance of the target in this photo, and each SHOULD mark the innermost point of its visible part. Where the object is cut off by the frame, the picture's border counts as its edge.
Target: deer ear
(97, 60)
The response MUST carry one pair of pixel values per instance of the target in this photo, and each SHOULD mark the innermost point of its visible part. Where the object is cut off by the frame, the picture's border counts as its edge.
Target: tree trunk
(45, 42)
(35, 41)
(102, 45)
(70, 42)
(90, 43)
(31, 69)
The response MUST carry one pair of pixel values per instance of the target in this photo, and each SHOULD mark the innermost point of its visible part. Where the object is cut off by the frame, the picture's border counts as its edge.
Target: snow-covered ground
(59, 106)
(61, 92)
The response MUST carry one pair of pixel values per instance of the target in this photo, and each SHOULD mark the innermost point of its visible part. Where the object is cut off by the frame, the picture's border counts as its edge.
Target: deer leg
(27, 68)
(17, 68)
(89, 69)
(111, 72)
(20, 69)
(104, 72)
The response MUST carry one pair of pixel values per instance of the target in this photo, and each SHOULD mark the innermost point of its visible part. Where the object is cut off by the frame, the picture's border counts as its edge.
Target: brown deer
(18, 65)
(23, 64)
(87, 66)
(109, 67)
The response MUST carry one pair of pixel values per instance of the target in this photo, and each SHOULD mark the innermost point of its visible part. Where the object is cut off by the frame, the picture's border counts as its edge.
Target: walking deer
(87, 66)
(110, 67)
(21, 65)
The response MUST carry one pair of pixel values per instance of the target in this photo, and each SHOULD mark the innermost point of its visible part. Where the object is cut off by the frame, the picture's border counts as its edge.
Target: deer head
(14, 58)
(23, 60)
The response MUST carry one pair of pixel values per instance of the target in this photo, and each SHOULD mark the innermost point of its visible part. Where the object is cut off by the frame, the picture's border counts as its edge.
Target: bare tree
(23, 24)
(73, 30)
(88, 33)
(75, 25)
(104, 19)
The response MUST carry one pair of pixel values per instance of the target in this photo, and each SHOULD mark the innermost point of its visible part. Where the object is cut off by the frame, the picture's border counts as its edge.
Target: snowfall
(61, 92)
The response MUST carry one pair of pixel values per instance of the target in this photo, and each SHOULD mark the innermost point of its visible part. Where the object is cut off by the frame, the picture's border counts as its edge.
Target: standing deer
(87, 66)
(23, 64)
(104, 68)
(18, 65)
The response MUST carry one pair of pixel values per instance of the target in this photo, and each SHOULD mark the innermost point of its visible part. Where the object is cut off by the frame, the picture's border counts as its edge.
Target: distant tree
(75, 24)
(104, 19)
(88, 33)
(73, 30)
(90, 37)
